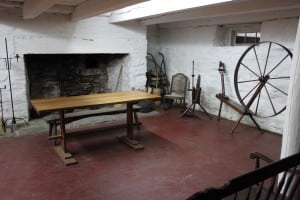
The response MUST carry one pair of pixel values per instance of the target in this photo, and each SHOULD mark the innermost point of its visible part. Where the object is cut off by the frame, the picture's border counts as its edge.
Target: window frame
(246, 39)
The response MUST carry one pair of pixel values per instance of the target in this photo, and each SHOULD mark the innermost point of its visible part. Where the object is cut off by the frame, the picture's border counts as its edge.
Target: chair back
(179, 84)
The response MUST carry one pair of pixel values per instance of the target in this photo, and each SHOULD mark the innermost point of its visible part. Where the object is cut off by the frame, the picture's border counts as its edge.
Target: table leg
(129, 138)
(63, 131)
(130, 121)
(62, 150)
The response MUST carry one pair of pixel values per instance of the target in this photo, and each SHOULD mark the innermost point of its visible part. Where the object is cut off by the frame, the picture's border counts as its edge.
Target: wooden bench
(54, 120)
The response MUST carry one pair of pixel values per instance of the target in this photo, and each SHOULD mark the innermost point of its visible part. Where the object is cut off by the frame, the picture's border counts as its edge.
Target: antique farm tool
(156, 75)
(261, 81)
(222, 96)
(7, 60)
(8, 67)
(1, 106)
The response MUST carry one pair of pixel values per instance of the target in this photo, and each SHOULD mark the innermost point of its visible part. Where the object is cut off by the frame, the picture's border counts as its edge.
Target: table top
(83, 101)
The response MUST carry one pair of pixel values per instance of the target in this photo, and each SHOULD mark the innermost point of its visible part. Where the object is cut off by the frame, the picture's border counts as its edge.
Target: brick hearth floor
(181, 156)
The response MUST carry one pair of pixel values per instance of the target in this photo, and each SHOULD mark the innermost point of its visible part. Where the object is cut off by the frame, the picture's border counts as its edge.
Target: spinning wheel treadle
(261, 80)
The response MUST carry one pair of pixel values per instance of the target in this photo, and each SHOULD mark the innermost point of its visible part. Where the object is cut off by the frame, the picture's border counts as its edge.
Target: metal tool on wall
(1, 105)
(7, 60)
(119, 79)
(8, 67)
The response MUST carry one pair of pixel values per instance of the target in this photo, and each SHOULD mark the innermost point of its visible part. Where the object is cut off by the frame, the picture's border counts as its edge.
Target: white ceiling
(77, 9)
(235, 11)
(245, 10)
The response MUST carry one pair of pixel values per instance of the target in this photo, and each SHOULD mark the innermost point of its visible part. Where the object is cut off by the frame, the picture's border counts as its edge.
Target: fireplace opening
(57, 75)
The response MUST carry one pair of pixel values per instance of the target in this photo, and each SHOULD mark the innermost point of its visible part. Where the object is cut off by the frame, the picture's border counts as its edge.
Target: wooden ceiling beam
(61, 9)
(8, 4)
(33, 8)
(92, 8)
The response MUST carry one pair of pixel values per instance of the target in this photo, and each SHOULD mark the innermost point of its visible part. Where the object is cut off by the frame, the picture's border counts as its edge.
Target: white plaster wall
(153, 39)
(291, 131)
(182, 43)
(56, 34)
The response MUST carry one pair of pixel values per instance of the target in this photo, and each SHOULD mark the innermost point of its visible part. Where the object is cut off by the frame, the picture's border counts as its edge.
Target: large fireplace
(55, 75)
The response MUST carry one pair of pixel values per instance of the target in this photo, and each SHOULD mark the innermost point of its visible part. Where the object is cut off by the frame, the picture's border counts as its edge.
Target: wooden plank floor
(181, 156)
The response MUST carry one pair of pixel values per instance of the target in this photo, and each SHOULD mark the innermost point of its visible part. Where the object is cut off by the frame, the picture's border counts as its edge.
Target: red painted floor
(181, 156)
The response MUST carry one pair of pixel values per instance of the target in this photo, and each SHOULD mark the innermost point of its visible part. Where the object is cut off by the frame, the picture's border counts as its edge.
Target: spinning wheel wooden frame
(261, 77)
(196, 92)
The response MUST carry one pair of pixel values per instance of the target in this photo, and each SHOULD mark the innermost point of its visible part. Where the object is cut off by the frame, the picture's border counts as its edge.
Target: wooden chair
(178, 89)
(264, 183)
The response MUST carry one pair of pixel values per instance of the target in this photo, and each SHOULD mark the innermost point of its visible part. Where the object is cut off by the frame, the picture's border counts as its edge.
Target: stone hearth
(56, 75)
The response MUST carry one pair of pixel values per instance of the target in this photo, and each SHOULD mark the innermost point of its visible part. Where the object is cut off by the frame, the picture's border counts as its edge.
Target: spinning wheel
(196, 93)
(260, 81)
(261, 78)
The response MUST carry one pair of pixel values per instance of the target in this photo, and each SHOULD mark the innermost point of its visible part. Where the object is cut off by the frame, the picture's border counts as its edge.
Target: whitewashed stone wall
(181, 43)
(51, 34)
(291, 131)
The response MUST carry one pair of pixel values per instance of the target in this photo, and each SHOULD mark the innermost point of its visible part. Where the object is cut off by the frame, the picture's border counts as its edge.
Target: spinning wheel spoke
(273, 62)
(278, 64)
(257, 61)
(267, 58)
(280, 77)
(250, 91)
(270, 100)
(250, 70)
(283, 92)
(254, 80)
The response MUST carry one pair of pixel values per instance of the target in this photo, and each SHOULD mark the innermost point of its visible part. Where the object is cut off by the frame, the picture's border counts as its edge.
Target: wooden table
(61, 104)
